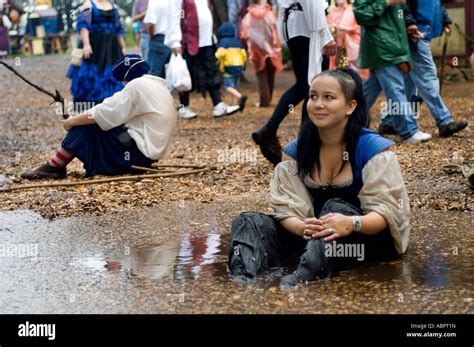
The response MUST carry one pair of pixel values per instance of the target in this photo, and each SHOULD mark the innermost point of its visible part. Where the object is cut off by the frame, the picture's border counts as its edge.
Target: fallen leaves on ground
(32, 131)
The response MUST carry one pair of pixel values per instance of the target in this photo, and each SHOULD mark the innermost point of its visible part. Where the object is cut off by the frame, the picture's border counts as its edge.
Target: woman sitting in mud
(339, 202)
(132, 127)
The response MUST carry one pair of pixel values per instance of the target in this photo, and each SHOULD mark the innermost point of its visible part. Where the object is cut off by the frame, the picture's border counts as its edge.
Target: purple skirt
(3, 39)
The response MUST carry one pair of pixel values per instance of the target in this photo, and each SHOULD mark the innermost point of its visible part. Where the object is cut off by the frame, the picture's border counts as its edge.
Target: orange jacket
(259, 29)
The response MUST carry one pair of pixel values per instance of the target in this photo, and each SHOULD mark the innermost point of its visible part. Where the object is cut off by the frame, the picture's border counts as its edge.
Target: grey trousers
(259, 242)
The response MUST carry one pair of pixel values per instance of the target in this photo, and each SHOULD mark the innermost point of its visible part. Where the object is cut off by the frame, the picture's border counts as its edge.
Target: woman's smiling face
(327, 105)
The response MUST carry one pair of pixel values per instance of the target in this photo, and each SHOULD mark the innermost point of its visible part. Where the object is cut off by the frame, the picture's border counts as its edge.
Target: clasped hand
(330, 226)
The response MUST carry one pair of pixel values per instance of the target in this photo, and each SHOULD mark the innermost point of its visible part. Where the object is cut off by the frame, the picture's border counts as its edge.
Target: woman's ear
(351, 106)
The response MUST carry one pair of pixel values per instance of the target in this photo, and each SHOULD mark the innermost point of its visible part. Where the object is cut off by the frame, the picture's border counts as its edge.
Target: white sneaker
(418, 137)
(185, 112)
(222, 109)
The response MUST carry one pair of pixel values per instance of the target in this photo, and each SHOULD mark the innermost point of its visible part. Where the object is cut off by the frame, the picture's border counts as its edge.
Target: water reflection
(154, 262)
(95, 263)
(432, 270)
(436, 268)
(188, 258)
(195, 253)
(205, 257)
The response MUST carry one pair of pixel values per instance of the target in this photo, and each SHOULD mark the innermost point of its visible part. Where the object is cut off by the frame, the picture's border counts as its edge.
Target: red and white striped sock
(61, 158)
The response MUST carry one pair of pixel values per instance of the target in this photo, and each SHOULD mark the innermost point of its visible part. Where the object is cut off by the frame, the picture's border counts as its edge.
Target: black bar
(314, 330)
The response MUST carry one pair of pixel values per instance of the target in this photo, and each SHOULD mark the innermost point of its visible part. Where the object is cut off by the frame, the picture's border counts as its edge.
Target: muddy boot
(45, 171)
(313, 263)
(268, 143)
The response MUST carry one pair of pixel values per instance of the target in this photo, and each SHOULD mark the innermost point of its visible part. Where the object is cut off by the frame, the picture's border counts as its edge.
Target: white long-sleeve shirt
(312, 23)
(165, 15)
(146, 108)
(296, 21)
(205, 21)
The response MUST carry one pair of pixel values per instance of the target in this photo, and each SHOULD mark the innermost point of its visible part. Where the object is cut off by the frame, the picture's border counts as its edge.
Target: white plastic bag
(177, 74)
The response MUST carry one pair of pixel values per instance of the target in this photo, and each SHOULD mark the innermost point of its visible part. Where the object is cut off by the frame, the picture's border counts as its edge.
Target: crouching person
(132, 127)
(341, 200)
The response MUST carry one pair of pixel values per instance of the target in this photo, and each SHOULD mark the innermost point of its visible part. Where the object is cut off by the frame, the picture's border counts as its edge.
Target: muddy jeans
(259, 242)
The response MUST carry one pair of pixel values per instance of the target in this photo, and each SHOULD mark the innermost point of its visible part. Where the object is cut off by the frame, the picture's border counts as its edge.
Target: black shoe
(387, 130)
(452, 128)
(242, 102)
(269, 144)
(45, 171)
(293, 280)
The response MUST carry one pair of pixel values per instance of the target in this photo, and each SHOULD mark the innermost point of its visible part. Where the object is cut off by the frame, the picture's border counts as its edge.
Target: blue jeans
(231, 82)
(144, 44)
(424, 77)
(158, 55)
(390, 80)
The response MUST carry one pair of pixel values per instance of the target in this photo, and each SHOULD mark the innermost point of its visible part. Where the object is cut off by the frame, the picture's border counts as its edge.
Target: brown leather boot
(269, 144)
(45, 171)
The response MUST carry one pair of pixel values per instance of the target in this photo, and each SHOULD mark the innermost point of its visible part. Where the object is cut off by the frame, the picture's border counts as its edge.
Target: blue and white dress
(93, 81)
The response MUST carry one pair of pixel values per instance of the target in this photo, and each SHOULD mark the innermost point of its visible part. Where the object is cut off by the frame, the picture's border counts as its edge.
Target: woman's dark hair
(309, 142)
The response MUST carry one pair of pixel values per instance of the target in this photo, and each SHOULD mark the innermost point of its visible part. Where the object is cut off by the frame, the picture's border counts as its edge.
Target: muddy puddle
(173, 259)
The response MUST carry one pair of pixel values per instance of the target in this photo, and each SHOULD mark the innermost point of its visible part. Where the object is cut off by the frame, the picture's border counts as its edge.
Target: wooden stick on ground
(148, 169)
(180, 166)
(56, 98)
(106, 180)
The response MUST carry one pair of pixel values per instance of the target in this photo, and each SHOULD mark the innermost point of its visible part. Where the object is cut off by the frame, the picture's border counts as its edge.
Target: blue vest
(369, 145)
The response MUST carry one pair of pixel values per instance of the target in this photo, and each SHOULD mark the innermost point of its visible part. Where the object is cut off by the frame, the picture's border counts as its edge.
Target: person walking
(303, 27)
(259, 29)
(384, 50)
(231, 58)
(426, 20)
(191, 34)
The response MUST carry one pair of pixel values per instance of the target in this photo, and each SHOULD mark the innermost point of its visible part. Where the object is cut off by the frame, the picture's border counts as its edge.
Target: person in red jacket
(191, 34)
